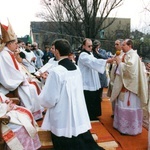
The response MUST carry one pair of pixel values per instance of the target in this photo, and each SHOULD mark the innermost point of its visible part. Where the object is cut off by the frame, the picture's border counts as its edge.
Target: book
(43, 69)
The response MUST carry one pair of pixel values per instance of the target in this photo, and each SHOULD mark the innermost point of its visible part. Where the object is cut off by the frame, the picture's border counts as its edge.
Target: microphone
(118, 53)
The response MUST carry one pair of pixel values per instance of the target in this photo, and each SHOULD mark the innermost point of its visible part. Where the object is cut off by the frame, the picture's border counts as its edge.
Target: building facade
(46, 32)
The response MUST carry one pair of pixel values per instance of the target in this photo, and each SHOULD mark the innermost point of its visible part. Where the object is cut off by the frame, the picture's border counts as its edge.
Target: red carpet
(138, 142)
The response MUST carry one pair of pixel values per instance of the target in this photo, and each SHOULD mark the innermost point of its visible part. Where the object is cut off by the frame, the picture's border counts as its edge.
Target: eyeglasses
(90, 46)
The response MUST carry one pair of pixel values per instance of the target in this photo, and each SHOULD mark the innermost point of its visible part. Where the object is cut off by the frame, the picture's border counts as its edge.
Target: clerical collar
(86, 51)
(69, 65)
(27, 50)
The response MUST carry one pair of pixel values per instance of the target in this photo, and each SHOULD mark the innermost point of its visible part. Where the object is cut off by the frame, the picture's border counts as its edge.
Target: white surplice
(11, 77)
(66, 109)
(90, 66)
(53, 63)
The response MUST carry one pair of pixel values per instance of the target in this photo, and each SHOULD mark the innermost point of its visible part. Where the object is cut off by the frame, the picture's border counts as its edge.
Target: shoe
(124, 134)
(112, 116)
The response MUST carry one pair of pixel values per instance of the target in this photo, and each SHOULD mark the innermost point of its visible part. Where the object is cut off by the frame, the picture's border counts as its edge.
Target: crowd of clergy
(66, 93)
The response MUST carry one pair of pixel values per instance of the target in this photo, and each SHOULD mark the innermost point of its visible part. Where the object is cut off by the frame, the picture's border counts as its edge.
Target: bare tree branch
(82, 18)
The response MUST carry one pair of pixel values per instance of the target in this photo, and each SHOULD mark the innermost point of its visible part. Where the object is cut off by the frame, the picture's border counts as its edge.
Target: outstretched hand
(110, 60)
(44, 75)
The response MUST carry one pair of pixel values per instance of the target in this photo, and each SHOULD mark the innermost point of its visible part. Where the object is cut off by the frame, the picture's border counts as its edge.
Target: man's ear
(57, 52)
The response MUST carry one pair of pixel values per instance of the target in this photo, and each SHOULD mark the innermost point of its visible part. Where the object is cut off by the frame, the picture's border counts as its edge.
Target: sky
(21, 12)
(134, 9)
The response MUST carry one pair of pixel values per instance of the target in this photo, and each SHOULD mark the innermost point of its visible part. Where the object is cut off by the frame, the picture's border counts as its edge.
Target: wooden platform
(105, 139)
(99, 132)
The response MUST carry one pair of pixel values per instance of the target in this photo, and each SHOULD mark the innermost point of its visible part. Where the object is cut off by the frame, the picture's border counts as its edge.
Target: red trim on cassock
(14, 60)
(5, 27)
(25, 111)
(1, 99)
(7, 136)
(37, 88)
